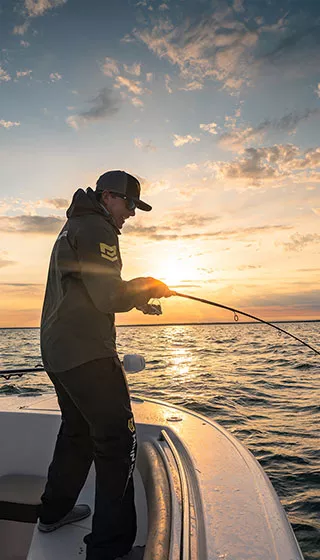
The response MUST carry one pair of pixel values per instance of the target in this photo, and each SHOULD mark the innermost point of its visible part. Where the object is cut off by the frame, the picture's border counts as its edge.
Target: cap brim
(141, 205)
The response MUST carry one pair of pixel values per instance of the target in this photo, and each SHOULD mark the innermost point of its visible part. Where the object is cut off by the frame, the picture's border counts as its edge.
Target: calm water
(263, 387)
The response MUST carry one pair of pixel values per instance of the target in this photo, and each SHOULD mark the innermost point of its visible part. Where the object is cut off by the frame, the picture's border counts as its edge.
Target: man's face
(117, 207)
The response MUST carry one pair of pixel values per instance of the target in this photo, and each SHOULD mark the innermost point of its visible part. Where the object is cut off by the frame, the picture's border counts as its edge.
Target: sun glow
(175, 270)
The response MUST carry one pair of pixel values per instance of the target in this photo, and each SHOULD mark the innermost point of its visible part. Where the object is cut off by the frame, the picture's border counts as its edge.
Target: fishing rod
(236, 311)
(8, 373)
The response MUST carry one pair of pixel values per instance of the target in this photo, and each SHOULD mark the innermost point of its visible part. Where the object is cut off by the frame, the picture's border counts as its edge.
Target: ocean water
(262, 387)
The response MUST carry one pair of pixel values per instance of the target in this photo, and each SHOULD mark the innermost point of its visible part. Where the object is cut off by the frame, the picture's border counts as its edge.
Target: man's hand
(148, 288)
(157, 289)
(143, 289)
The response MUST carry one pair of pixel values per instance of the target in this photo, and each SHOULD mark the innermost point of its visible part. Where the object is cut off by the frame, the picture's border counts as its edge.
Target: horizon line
(195, 323)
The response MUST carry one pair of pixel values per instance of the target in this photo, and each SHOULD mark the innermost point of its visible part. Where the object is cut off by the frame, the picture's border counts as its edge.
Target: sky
(214, 106)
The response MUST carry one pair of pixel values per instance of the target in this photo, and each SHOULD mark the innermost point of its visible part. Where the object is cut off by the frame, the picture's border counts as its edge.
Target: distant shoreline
(189, 324)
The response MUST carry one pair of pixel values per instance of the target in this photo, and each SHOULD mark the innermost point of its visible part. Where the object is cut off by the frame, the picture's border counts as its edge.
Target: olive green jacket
(84, 288)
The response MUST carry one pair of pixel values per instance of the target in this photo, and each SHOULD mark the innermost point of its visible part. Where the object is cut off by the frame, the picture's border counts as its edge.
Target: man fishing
(78, 344)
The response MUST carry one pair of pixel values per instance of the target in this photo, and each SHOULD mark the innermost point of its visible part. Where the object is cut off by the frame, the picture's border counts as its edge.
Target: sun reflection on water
(181, 364)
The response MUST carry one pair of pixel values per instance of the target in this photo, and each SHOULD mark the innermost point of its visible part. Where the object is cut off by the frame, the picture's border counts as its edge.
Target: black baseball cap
(122, 183)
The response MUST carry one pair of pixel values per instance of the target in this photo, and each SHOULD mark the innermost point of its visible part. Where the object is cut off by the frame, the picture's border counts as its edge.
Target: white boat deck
(67, 542)
(231, 510)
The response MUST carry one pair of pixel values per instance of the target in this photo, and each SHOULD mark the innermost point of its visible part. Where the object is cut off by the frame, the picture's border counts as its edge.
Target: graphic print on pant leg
(133, 451)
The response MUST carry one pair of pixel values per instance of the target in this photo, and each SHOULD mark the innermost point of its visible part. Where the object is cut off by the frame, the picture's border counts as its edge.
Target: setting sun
(174, 270)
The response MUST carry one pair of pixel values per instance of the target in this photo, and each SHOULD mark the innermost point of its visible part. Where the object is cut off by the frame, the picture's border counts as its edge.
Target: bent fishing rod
(236, 311)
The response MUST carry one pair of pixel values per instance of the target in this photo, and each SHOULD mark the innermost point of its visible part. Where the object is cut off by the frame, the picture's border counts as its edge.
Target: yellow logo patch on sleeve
(108, 252)
(131, 425)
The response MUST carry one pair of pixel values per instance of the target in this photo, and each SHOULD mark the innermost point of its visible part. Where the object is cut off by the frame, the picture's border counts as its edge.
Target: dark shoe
(136, 553)
(78, 512)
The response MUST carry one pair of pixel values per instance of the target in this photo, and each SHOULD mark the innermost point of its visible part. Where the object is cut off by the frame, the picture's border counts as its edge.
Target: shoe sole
(55, 526)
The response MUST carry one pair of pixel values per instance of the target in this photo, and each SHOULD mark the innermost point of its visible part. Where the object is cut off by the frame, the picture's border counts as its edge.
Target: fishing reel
(151, 308)
(156, 307)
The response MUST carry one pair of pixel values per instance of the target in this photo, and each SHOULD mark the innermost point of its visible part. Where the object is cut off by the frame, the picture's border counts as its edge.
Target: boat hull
(201, 494)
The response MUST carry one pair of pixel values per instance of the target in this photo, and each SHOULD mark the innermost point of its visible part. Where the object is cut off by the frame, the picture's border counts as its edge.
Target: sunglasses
(130, 204)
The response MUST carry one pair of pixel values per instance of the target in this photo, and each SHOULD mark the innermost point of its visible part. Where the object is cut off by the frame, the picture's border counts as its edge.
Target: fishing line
(236, 318)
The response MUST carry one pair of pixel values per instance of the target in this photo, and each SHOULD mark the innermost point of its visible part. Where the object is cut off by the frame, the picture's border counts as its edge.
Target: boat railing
(185, 499)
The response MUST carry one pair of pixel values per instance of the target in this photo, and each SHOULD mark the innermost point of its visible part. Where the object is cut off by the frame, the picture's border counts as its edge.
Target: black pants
(97, 424)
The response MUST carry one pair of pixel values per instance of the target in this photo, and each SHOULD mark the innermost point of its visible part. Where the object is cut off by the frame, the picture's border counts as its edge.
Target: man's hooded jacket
(85, 288)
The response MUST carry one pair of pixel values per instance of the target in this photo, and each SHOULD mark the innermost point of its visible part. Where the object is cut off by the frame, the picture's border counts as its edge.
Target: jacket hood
(84, 203)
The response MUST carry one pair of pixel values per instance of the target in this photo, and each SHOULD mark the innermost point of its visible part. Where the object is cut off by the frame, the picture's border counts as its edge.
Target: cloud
(178, 220)
(301, 241)
(273, 164)
(192, 86)
(55, 77)
(137, 102)
(30, 207)
(4, 261)
(134, 69)
(294, 51)
(35, 8)
(145, 146)
(4, 206)
(238, 6)
(103, 106)
(8, 124)
(299, 37)
(167, 81)
(163, 7)
(4, 76)
(318, 90)
(25, 44)
(23, 73)
(238, 137)
(211, 127)
(22, 289)
(127, 39)
(153, 187)
(110, 67)
(31, 224)
(234, 46)
(21, 29)
(181, 140)
(131, 85)
(160, 233)
(59, 203)
(192, 166)
(217, 46)
(289, 302)
(248, 267)
(309, 159)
